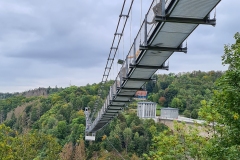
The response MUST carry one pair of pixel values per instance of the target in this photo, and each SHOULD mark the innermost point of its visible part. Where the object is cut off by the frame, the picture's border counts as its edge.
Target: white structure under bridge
(146, 109)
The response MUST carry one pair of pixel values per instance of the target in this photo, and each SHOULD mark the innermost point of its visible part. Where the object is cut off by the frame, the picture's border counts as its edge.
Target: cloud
(55, 42)
(206, 43)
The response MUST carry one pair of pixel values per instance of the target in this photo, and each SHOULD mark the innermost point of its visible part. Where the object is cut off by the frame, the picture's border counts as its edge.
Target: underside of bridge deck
(179, 19)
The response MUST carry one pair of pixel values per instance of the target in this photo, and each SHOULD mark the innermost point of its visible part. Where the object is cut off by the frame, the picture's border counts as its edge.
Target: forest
(49, 123)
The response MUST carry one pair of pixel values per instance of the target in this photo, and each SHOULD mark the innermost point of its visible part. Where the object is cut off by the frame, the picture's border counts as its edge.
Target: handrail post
(120, 76)
(163, 8)
(208, 16)
(126, 68)
(110, 93)
(145, 31)
(116, 85)
(134, 51)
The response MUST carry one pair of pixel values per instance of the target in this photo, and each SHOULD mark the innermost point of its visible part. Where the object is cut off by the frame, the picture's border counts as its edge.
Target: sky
(61, 43)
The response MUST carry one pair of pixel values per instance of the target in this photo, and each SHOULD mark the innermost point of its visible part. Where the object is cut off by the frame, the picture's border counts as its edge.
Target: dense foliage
(129, 134)
(183, 142)
(59, 114)
(221, 115)
(183, 90)
(223, 110)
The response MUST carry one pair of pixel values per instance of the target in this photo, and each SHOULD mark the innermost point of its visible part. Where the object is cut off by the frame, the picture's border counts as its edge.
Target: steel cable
(109, 64)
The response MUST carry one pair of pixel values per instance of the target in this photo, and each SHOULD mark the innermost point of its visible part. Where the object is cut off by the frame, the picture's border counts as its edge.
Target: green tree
(33, 115)
(27, 146)
(127, 134)
(177, 103)
(224, 107)
(181, 143)
(61, 129)
(6, 143)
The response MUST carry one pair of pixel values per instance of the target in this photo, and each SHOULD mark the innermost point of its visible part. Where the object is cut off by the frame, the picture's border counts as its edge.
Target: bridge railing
(145, 31)
(143, 35)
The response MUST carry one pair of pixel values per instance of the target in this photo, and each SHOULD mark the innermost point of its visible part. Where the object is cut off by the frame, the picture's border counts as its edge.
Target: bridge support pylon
(88, 136)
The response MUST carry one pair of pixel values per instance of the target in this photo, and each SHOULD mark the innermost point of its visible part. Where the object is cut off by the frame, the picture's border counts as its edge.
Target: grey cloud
(53, 42)
(67, 34)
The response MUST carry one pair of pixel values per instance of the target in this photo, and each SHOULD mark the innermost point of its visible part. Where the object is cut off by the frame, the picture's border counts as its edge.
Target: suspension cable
(186, 43)
(117, 56)
(141, 22)
(115, 149)
(104, 128)
(215, 13)
(130, 29)
(111, 56)
(123, 45)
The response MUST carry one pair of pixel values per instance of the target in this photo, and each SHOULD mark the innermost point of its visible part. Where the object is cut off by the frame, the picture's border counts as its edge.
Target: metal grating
(167, 39)
(156, 58)
(122, 98)
(193, 8)
(127, 93)
(178, 27)
(143, 73)
(134, 84)
(118, 103)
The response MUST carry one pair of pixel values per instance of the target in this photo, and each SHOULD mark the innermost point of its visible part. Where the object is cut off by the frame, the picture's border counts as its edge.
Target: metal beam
(108, 113)
(149, 67)
(124, 88)
(121, 93)
(119, 101)
(117, 105)
(123, 96)
(137, 79)
(156, 48)
(114, 109)
(102, 122)
(120, 105)
(105, 118)
(185, 20)
(113, 114)
(108, 116)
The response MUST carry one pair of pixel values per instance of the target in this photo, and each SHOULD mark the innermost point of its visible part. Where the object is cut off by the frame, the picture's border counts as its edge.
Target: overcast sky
(58, 42)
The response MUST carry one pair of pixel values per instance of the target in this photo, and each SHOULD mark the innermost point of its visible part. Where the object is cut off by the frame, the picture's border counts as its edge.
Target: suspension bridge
(163, 31)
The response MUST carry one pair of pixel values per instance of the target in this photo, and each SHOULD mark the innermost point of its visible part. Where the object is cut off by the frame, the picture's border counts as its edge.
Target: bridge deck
(163, 37)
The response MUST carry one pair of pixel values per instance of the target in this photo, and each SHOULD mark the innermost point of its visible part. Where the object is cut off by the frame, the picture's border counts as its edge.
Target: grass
(159, 107)
(158, 111)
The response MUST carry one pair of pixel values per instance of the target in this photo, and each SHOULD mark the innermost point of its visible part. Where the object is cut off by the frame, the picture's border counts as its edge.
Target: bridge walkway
(166, 26)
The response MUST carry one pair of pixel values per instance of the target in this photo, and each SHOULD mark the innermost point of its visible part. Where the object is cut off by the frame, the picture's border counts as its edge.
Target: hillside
(58, 113)
(31, 93)
(183, 90)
